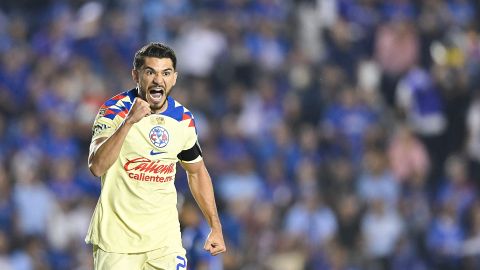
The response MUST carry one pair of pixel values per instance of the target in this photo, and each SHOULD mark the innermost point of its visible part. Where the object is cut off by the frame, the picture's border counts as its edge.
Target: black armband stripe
(190, 154)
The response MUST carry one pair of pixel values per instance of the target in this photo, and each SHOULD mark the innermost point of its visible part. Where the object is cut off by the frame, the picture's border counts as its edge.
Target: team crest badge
(158, 120)
(102, 111)
(159, 136)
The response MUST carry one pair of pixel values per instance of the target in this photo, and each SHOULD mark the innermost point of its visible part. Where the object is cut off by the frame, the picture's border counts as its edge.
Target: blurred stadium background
(340, 134)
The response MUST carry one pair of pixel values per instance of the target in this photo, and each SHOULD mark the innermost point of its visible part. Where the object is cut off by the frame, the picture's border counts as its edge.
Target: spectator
(445, 238)
(7, 204)
(420, 101)
(377, 181)
(457, 190)
(473, 138)
(34, 201)
(397, 51)
(381, 229)
(471, 246)
(194, 232)
(347, 121)
(310, 222)
(408, 157)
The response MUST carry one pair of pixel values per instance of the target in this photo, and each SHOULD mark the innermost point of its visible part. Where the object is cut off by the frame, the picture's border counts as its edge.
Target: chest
(156, 137)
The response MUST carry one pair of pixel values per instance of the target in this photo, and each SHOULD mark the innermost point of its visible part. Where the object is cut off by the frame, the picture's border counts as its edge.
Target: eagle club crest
(158, 120)
(159, 136)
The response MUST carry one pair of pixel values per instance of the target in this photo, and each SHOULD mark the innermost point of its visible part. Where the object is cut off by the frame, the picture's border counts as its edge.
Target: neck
(162, 108)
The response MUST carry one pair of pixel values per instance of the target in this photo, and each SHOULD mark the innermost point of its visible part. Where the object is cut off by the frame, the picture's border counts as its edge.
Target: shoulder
(179, 112)
(118, 105)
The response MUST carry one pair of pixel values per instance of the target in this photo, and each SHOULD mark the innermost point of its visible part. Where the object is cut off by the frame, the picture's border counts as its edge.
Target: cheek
(143, 85)
(171, 82)
(143, 81)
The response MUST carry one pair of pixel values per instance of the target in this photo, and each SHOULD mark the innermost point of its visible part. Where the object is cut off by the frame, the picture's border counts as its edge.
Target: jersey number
(182, 264)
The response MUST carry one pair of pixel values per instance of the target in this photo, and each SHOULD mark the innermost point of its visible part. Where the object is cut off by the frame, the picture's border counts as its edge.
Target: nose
(157, 78)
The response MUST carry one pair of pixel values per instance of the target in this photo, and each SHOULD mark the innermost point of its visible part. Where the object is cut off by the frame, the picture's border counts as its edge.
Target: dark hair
(154, 49)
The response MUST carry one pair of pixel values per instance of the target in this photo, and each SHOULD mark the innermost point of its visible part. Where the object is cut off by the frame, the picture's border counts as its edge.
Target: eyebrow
(166, 69)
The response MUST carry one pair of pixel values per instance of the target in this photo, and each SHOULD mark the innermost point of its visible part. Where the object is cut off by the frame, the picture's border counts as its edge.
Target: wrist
(216, 226)
(128, 122)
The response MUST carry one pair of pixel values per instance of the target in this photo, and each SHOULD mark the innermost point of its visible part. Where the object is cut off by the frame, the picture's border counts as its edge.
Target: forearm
(103, 155)
(202, 189)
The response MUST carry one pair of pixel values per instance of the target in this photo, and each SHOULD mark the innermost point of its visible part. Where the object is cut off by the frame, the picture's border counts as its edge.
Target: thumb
(206, 246)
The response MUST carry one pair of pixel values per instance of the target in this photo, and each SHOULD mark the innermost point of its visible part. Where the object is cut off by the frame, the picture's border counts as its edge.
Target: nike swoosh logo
(156, 153)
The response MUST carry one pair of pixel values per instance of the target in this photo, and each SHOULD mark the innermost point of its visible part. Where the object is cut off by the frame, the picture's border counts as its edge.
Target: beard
(158, 106)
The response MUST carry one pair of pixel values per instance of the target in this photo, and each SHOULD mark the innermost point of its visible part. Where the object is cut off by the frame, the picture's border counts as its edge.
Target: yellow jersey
(136, 211)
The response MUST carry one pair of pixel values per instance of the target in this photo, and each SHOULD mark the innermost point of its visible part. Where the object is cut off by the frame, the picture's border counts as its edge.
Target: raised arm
(201, 187)
(105, 150)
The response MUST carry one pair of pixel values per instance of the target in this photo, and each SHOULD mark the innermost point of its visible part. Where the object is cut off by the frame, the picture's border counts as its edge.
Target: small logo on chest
(159, 136)
(157, 120)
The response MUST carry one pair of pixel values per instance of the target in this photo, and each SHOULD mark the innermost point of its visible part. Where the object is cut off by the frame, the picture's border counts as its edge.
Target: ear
(135, 75)
(175, 75)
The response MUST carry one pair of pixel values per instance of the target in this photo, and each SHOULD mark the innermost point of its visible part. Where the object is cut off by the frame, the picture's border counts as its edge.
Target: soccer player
(138, 137)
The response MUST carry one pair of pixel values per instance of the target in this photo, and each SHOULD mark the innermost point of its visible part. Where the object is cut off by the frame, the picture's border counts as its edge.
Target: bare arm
(201, 187)
(105, 150)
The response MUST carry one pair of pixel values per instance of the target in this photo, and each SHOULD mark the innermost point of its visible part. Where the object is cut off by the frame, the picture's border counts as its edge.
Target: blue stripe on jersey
(172, 111)
(116, 105)
(112, 115)
(110, 102)
(132, 94)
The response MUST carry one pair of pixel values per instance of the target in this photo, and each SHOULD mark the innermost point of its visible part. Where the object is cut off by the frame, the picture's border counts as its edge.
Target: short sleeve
(112, 113)
(191, 151)
(103, 126)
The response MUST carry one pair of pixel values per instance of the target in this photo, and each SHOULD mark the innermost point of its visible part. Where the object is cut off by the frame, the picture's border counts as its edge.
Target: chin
(156, 106)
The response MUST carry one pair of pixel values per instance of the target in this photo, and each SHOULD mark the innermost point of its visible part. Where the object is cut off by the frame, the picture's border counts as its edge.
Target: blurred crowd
(340, 134)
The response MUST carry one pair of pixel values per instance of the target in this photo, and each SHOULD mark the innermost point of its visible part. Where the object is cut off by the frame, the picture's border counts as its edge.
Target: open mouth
(156, 94)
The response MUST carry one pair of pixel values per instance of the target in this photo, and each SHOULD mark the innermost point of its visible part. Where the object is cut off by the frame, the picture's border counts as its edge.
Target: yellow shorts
(150, 260)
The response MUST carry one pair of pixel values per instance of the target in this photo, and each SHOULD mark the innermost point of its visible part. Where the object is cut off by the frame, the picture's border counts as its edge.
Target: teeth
(156, 96)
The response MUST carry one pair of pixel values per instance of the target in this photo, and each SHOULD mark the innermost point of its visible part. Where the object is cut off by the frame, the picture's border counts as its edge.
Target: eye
(149, 72)
(167, 73)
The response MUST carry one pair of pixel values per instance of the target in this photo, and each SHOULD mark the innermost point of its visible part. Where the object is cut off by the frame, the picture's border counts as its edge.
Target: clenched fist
(140, 109)
(214, 243)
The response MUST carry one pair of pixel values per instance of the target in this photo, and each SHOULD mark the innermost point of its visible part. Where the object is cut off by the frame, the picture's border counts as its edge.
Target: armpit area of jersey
(190, 154)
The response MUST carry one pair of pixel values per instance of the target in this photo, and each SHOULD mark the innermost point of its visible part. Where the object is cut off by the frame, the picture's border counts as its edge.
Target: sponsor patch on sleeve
(97, 128)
